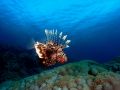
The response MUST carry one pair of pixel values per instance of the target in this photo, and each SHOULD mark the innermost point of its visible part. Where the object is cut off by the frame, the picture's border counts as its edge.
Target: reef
(83, 75)
(17, 63)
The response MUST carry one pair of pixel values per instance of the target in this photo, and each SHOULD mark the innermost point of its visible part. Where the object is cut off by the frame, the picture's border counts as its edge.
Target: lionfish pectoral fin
(38, 51)
(30, 45)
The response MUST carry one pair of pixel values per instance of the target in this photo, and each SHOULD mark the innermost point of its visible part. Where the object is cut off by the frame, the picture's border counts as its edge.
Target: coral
(114, 65)
(83, 75)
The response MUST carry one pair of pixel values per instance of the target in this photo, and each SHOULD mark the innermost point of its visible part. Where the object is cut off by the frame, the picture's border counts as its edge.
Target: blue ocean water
(92, 25)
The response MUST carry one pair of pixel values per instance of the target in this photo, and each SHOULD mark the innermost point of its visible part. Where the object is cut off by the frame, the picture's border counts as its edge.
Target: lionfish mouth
(51, 51)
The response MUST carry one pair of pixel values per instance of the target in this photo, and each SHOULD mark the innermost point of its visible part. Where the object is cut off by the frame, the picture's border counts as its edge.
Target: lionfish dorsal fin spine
(68, 41)
(60, 35)
(67, 46)
(56, 37)
(59, 38)
(56, 32)
(46, 33)
(53, 35)
(50, 35)
(64, 37)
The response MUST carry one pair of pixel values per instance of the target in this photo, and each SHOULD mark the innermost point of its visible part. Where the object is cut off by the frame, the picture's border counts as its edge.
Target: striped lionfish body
(51, 51)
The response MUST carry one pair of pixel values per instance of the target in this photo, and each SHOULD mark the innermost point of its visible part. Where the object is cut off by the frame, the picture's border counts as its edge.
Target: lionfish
(51, 51)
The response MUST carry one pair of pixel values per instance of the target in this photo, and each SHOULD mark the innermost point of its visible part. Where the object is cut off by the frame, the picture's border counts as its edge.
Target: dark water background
(92, 25)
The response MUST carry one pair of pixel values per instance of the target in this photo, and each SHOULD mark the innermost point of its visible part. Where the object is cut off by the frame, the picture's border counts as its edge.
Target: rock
(107, 86)
(79, 87)
(43, 85)
(56, 88)
(94, 71)
(72, 84)
(34, 87)
(99, 87)
(89, 82)
(73, 88)
(65, 88)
